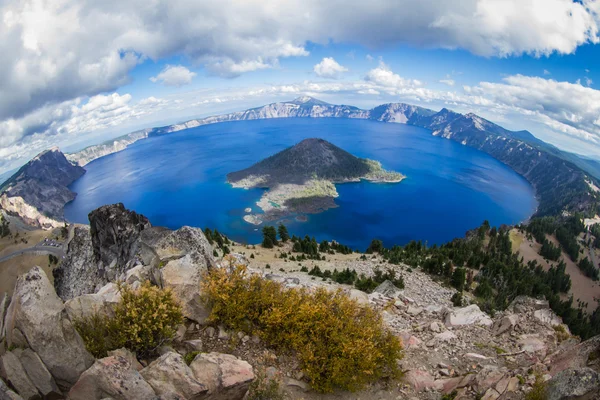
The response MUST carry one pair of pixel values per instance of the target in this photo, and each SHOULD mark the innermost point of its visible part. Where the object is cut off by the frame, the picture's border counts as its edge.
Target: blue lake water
(179, 179)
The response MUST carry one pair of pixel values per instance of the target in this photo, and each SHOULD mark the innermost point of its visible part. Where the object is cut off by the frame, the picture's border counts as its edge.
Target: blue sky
(81, 72)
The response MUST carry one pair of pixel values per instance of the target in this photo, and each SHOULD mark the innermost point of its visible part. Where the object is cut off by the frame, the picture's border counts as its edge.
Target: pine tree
(283, 233)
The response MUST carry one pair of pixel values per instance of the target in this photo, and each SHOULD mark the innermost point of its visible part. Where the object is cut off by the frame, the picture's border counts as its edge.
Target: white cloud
(384, 77)
(329, 68)
(369, 57)
(66, 51)
(447, 81)
(567, 108)
(174, 75)
(546, 72)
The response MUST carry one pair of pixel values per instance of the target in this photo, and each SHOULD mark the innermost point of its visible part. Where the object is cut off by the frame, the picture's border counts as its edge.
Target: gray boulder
(470, 315)
(388, 289)
(6, 393)
(183, 276)
(111, 377)
(170, 376)
(103, 302)
(226, 376)
(38, 373)
(13, 372)
(574, 384)
(40, 315)
(115, 232)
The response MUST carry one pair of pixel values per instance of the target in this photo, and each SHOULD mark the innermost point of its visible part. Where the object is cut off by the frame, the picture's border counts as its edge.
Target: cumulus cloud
(329, 68)
(174, 75)
(24, 137)
(384, 77)
(448, 81)
(565, 107)
(63, 52)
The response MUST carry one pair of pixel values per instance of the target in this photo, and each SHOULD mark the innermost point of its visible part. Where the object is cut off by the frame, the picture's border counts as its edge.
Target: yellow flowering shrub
(144, 319)
(339, 343)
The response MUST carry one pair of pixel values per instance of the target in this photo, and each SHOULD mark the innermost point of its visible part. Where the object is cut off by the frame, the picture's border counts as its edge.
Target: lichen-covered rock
(103, 302)
(128, 356)
(13, 372)
(79, 273)
(39, 314)
(226, 376)
(470, 315)
(185, 241)
(170, 376)
(115, 232)
(574, 384)
(111, 377)
(38, 373)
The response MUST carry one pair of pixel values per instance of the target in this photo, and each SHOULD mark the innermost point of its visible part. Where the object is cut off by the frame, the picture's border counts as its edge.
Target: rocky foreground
(459, 351)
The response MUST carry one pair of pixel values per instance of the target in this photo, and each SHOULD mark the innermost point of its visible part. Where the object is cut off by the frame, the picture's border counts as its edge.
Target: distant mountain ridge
(558, 177)
(38, 191)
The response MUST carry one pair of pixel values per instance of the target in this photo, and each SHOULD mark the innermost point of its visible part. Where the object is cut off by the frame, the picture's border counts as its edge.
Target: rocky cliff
(38, 192)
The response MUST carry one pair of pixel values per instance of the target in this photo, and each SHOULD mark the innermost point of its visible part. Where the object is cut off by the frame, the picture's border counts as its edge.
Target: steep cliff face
(38, 191)
(559, 184)
(115, 233)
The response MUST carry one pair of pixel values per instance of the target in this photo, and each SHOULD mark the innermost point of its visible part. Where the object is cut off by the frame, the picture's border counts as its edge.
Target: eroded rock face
(170, 376)
(226, 376)
(111, 377)
(183, 276)
(115, 232)
(39, 314)
(574, 384)
(79, 273)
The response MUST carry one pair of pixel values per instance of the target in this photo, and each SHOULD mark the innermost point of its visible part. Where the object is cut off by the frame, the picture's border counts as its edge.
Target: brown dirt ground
(11, 269)
(582, 287)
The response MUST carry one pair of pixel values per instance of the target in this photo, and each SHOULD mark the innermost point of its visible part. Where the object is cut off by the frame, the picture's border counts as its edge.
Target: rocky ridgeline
(447, 348)
(38, 192)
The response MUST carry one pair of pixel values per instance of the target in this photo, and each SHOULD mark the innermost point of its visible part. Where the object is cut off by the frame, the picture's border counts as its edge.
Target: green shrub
(338, 342)
(538, 391)
(265, 388)
(189, 357)
(144, 319)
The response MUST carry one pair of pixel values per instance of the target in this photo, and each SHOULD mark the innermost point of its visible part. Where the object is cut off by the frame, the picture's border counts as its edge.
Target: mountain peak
(308, 100)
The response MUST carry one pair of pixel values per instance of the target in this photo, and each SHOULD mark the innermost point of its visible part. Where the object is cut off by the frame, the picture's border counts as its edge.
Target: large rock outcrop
(226, 376)
(101, 253)
(115, 232)
(122, 245)
(39, 314)
(38, 192)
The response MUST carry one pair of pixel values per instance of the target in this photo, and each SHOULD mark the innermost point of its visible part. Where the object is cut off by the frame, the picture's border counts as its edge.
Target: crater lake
(179, 179)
